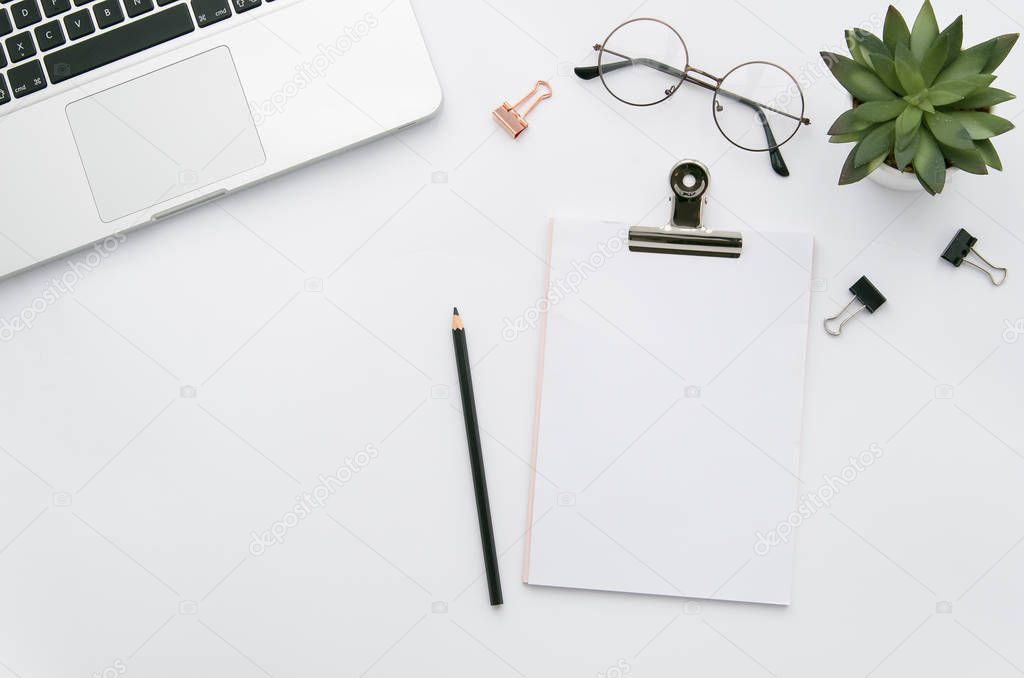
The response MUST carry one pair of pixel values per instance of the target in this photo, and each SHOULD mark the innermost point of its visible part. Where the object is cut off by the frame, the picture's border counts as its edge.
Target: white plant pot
(892, 178)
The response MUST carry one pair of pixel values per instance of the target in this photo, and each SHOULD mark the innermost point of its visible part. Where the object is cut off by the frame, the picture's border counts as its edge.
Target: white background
(214, 366)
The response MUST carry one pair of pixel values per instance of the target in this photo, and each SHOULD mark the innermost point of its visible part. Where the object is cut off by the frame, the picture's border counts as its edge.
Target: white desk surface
(213, 367)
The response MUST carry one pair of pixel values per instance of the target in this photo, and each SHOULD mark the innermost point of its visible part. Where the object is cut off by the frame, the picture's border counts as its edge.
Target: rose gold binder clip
(511, 119)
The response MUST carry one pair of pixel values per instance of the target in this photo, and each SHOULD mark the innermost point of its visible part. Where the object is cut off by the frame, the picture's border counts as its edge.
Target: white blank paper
(668, 422)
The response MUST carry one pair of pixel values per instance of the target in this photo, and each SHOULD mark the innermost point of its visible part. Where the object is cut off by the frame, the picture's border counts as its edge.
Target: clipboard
(669, 412)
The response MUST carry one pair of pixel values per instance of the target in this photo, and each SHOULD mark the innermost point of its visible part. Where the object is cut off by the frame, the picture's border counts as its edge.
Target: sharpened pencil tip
(455, 310)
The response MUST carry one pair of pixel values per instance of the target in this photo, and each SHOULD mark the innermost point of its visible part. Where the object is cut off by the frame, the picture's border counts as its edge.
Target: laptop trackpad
(176, 130)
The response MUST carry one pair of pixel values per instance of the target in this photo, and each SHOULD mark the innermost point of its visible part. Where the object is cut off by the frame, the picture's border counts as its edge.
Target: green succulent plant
(921, 102)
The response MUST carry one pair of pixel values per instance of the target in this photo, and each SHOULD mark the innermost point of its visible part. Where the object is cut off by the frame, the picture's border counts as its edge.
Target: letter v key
(79, 24)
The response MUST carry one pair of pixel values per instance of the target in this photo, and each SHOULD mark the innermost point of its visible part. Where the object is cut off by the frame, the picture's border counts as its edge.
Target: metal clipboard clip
(690, 181)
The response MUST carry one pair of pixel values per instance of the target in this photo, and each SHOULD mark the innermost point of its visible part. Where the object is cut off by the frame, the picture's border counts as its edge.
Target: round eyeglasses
(758, 106)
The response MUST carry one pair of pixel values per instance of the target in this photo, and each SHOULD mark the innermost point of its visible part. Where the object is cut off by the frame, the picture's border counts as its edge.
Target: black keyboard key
(245, 5)
(108, 13)
(209, 12)
(3, 59)
(137, 7)
(55, 7)
(49, 36)
(79, 24)
(5, 96)
(150, 31)
(26, 13)
(20, 47)
(5, 22)
(26, 79)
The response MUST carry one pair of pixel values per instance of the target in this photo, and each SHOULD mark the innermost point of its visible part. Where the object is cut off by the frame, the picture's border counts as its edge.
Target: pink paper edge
(536, 412)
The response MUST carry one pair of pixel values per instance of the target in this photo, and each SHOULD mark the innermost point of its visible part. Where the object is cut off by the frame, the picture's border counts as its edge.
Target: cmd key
(26, 79)
(131, 38)
(209, 12)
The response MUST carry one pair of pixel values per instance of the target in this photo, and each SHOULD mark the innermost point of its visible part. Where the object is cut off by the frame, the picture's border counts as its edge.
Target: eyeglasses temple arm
(591, 72)
(774, 152)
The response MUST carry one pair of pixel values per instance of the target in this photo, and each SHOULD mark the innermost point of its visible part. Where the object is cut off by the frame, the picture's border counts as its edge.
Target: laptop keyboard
(45, 42)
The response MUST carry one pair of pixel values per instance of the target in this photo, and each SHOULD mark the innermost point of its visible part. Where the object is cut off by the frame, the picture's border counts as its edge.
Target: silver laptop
(118, 113)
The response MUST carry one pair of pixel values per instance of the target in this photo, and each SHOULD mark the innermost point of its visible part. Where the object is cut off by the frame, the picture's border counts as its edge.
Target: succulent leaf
(969, 160)
(1002, 47)
(984, 98)
(948, 130)
(954, 90)
(879, 111)
(869, 51)
(908, 123)
(925, 31)
(980, 125)
(955, 33)
(934, 60)
(905, 156)
(856, 49)
(929, 163)
(895, 30)
(970, 62)
(858, 81)
(870, 43)
(877, 141)
(907, 138)
(939, 97)
(852, 174)
(848, 123)
(885, 69)
(908, 70)
(845, 138)
(862, 42)
(988, 152)
(920, 100)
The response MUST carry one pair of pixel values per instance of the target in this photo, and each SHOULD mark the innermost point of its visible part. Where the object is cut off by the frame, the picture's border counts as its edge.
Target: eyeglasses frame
(778, 163)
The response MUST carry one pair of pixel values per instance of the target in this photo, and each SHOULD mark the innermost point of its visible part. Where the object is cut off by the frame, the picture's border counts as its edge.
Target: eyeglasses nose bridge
(713, 78)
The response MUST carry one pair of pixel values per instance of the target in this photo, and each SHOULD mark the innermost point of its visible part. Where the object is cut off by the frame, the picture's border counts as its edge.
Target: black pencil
(476, 459)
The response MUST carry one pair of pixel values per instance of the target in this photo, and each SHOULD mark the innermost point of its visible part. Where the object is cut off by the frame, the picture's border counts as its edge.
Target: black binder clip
(961, 246)
(865, 294)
